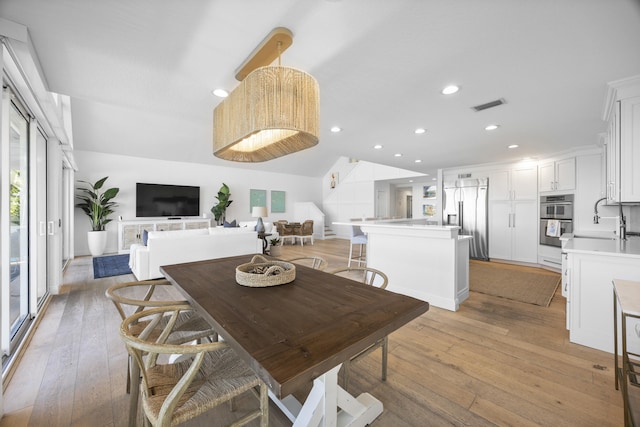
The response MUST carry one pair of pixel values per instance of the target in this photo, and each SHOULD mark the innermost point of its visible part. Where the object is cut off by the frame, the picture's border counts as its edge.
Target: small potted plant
(98, 205)
(276, 247)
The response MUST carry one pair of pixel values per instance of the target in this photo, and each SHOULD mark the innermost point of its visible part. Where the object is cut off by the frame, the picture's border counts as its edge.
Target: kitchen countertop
(602, 244)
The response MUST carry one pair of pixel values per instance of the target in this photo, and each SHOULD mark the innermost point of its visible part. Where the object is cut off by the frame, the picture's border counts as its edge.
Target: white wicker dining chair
(205, 375)
(372, 277)
(315, 262)
(134, 297)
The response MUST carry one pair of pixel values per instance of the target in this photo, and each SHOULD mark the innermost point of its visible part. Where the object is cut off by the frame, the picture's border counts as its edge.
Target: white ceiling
(140, 73)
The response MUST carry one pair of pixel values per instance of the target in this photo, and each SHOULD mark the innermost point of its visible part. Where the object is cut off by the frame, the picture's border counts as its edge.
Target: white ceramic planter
(97, 242)
(275, 250)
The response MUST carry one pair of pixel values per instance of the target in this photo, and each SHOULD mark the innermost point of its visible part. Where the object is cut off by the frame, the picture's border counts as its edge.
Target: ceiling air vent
(489, 104)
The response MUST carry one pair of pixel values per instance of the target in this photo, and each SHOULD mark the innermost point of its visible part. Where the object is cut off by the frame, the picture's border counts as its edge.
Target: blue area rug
(111, 265)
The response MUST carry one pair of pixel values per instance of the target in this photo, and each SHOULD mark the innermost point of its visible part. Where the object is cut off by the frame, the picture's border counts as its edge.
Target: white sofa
(180, 246)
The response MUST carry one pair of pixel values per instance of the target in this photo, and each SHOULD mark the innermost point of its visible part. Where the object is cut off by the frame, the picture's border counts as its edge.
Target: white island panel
(430, 263)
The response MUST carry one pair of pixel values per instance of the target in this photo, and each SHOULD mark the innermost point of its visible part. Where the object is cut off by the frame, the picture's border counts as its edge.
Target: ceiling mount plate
(266, 52)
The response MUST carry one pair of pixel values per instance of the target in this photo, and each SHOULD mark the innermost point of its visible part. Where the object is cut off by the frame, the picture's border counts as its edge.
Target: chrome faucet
(623, 224)
(596, 217)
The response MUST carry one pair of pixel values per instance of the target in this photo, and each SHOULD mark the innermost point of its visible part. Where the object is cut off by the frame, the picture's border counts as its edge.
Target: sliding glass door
(18, 292)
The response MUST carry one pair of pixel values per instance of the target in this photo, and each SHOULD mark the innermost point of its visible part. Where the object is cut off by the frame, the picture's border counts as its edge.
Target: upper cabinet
(516, 183)
(557, 175)
(622, 112)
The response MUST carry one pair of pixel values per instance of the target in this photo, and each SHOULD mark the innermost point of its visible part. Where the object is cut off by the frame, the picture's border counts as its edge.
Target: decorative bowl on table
(261, 272)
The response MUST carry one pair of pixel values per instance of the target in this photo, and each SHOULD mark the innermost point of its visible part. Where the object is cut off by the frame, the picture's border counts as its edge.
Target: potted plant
(98, 205)
(276, 247)
(224, 201)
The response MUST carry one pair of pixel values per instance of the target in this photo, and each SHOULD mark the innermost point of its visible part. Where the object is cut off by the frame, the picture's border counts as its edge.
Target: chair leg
(385, 345)
(350, 254)
(264, 405)
(134, 374)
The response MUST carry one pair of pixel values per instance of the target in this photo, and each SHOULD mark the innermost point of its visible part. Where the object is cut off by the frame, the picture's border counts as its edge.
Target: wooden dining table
(298, 333)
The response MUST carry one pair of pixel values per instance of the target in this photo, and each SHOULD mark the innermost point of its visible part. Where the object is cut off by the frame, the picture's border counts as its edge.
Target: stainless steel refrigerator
(465, 205)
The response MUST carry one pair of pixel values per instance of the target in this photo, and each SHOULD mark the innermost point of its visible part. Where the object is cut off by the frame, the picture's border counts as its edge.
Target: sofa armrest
(139, 262)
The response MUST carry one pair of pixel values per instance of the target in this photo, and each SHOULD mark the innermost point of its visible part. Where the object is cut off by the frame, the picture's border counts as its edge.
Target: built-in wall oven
(555, 210)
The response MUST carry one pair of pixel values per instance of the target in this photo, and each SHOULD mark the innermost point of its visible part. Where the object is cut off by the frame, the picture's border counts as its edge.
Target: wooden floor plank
(494, 362)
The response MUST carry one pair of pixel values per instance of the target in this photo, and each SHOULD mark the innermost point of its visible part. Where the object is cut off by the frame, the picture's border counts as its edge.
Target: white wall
(125, 171)
(356, 191)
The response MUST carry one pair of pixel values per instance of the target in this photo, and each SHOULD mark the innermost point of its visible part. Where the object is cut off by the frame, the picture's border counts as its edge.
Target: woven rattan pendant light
(273, 112)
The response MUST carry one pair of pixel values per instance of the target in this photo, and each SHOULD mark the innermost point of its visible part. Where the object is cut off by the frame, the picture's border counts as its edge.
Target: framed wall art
(257, 198)
(277, 201)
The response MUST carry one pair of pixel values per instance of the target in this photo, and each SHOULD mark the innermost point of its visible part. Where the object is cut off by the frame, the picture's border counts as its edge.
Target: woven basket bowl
(274, 273)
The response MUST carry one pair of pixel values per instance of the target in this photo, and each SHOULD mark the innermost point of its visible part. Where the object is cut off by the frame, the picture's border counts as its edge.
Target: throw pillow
(145, 237)
(229, 224)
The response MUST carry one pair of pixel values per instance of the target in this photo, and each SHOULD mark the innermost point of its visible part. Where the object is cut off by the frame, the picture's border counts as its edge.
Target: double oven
(553, 208)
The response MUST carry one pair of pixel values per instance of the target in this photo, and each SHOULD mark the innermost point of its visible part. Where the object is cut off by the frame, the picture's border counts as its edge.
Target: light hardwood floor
(494, 362)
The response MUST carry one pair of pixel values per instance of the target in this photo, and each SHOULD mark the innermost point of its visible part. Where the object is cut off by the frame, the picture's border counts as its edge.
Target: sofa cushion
(176, 233)
(229, 230)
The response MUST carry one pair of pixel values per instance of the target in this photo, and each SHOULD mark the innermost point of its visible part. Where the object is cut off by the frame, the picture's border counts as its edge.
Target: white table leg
(329, 405)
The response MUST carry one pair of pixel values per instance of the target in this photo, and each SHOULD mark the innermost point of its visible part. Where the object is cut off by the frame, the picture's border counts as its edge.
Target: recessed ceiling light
(398, 155)
(450, 90)
(336, 129)
(418, 161)
(420, 131)
(513, 146)
(378, 147)
(434, 179)
(410, 180)
(221, 93)
(491, 127)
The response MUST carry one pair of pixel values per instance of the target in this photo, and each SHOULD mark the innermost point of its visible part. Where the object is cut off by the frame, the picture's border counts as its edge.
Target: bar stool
(358, 238)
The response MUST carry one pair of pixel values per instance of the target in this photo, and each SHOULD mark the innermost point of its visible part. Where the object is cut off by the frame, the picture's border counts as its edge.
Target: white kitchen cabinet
(513, 213)
(622, 112)
(590, 295)
(513, 230)
(630, 149)
(515, 183)
(559, 175)
(130, 231)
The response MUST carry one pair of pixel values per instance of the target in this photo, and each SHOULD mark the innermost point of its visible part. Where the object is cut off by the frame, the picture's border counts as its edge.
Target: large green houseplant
(98, 205)
(224, 200)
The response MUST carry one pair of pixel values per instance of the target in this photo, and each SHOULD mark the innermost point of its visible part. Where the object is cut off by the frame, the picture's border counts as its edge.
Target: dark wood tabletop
(291, 334)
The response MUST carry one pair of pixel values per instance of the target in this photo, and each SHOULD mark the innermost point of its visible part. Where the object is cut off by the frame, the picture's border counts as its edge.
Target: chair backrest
(315, 262)
(139, 295)
(367, 275)
(356, 231)
(307, 228)
(157, 339)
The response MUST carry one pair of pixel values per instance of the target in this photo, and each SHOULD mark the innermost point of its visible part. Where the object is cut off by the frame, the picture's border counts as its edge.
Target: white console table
(130, 231)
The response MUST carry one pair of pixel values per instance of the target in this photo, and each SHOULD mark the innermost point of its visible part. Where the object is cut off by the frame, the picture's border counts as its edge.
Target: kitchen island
(589, 268)
(428, 262)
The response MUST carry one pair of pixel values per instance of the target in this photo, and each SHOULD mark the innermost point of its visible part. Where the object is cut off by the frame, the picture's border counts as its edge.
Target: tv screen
(167, 200)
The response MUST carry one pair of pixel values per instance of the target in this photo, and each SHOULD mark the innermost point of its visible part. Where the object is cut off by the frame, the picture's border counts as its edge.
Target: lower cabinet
(590, 298)
(513, 226)
(130, 231)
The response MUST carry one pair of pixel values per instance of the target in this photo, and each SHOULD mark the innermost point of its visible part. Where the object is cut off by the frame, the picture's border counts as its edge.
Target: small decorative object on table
(261, 272)
(276, 247)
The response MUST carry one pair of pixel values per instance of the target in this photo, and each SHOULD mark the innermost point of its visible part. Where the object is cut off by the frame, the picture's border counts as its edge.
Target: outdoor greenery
(224, 201)
(96, 204)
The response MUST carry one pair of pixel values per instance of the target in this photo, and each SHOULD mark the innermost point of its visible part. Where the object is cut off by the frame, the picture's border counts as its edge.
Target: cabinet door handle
(50, 228)
(514, 220)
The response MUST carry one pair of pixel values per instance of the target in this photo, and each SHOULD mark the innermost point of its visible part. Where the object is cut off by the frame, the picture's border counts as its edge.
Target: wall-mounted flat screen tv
(153, 200)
